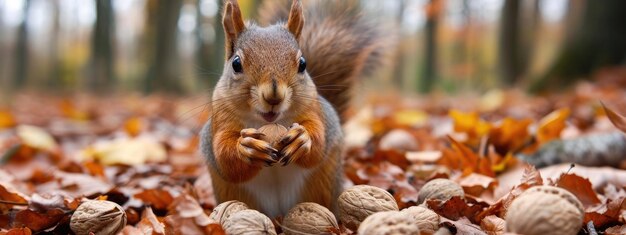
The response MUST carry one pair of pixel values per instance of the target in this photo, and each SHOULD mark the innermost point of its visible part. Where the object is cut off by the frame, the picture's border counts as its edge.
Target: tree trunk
(598, 41)
(20, 76)
(54, 79)
(216, 64)
(102, 75)
(508, 46)
(163, 72)
(430, 57)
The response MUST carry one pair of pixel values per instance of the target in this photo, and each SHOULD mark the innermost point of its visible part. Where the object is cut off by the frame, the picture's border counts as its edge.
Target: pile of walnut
(367, 210)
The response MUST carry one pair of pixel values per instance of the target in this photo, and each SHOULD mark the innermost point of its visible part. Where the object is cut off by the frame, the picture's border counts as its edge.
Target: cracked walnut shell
(98, 217)
(387, 223)
(225, 209)
(309, 218)
(249, 222)
(545, 210)
(441, 189)
(358, 202)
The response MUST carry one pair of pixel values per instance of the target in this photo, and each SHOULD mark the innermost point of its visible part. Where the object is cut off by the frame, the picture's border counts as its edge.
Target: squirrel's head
(264, 72)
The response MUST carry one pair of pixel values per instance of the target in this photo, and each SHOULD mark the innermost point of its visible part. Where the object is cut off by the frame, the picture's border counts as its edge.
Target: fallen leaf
(605, 214)
(19, 231)
(423, 156)
(133, 126)
(471, 124)
(580, 187)
(493, 225)
(149, 223)
(616, 230)
(617, 119)
(38, 221)
(6, 119)
(475, 184)
(132, 151)
(37, 138)
(455, 208)
(551, 125)
(157, 198)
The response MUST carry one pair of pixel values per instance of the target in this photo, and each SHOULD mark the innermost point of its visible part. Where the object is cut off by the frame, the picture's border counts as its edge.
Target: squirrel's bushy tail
(339, 45)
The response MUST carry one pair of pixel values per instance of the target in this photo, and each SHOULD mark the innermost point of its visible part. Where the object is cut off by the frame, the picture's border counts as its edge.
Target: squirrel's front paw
(295, 144)
(253, 150)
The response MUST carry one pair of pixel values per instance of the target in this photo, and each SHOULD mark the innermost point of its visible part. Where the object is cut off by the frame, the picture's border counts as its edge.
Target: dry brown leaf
(605, 214)
(38, 221)
(475, 184)
(616, 230)
(617, 119)
(493, 225)
(455, 208)
(157, 198)
(149, 223)
(580, 187)
(510, 135)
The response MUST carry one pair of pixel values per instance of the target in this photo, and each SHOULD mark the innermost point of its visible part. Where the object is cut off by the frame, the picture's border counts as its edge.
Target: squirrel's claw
(254, 151)
(295, 144)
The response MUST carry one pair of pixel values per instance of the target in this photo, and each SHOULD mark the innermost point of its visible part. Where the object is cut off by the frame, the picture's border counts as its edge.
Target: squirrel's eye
(301, 65)
(237, 64)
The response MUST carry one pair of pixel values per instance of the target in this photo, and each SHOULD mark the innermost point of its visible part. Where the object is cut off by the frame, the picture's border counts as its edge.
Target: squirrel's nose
(273, 100)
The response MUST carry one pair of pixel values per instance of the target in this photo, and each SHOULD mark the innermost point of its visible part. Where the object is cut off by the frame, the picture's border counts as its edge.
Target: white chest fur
(277, 188)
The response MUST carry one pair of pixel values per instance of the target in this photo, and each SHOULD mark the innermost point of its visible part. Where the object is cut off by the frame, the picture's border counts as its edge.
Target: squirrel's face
(264, 76)
(269, 70)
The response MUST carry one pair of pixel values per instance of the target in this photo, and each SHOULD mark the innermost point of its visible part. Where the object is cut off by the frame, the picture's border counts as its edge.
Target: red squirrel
(298, 74)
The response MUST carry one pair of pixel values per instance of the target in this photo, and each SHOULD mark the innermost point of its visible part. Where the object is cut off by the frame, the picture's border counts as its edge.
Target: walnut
(248, 222)
(225, 210)
(426, 219)
(358, 202)
(388, 222)
(273, 133)
(545, 210)
(309, 218)
(98, 217)
(442, 189)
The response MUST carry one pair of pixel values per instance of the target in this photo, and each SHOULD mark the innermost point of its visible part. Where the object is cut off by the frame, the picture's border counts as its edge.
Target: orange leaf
(618, 120)
(133, 126)
(471, 124)
(455, 208)
(19, 231)
(550, 126)
(157, 198)
(38, 221)
(6, 119)
(580, 187)
(510, 134)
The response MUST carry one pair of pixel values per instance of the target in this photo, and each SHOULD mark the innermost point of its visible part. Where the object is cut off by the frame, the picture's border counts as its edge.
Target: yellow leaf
(410, 117)
(550, 126)
(133, 151)
(471, 124)
(69, 110)
(37, 138)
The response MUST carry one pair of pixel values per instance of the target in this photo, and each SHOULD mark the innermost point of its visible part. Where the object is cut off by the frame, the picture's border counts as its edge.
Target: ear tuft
(233, 25)
(296, 19)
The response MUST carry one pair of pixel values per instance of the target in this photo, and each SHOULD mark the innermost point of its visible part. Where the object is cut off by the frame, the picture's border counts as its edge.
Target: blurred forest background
(176, 46)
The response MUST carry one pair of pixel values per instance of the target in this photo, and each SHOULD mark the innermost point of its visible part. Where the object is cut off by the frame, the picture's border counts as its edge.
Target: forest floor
(142, 153)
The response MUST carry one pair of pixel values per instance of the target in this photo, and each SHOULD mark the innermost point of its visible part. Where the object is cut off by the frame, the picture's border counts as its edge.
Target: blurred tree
(433, 10)
(518, 27)
(398, 70)
(21, 50)
(102, 48)
(163, 72)
(54, 78)
(597, 41)
(212, 60)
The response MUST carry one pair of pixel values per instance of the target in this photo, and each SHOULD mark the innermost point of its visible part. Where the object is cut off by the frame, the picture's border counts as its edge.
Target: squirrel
(298, 74)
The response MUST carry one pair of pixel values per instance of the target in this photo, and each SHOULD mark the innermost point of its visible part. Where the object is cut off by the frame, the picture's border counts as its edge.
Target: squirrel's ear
(296, 19)
(233, 25)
